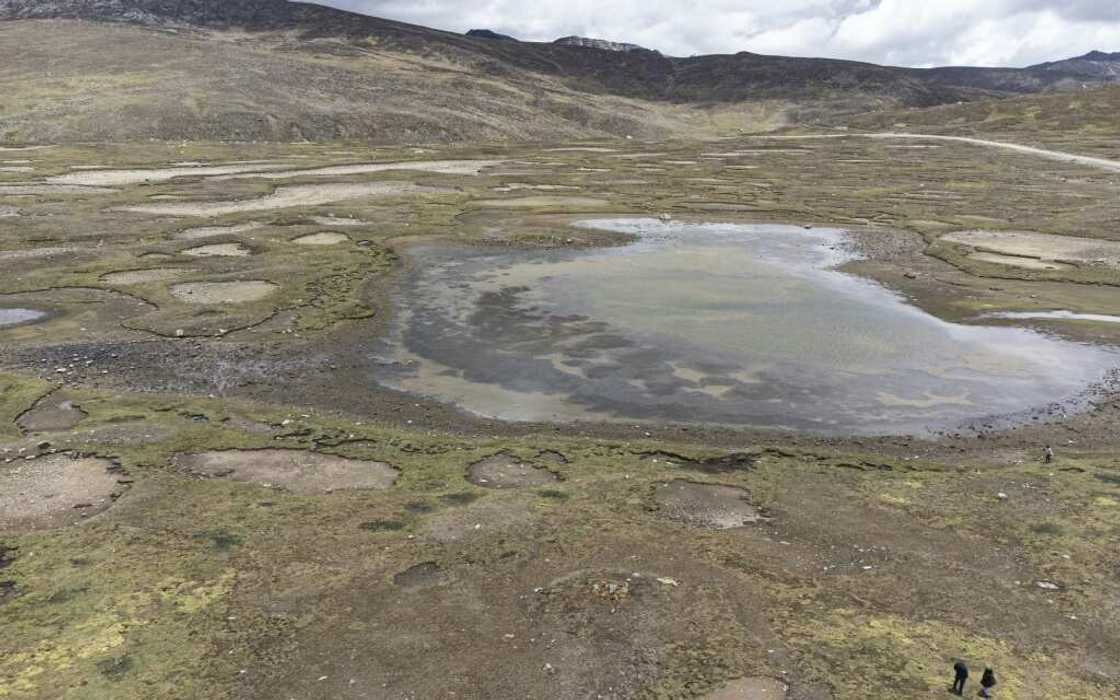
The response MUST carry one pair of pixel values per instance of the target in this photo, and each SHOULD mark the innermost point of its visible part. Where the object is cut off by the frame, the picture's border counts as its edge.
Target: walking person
(961, 671)
(987, 682)
(1048, 455)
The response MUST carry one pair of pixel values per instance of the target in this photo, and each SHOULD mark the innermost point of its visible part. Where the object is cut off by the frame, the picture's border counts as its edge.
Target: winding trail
(1099, 163)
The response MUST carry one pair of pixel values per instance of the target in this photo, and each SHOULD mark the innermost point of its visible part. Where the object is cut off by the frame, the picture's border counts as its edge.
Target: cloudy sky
(899, 32)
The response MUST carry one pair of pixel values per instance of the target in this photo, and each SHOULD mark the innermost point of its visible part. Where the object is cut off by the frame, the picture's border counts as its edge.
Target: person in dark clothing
(987, 682)
(962, 676)
(1048, 455)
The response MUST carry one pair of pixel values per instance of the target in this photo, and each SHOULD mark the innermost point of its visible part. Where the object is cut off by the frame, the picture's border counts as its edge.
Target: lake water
(729, 324)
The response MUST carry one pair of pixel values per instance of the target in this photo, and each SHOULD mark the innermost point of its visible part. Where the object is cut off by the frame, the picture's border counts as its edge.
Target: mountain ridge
(426, 83)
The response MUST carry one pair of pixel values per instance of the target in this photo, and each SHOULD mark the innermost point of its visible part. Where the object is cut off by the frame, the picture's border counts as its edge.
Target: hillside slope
(67, 81)
(274, 70)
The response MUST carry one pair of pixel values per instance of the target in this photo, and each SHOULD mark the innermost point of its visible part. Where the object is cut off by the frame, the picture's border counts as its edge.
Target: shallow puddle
(728, 324)
(15, 317)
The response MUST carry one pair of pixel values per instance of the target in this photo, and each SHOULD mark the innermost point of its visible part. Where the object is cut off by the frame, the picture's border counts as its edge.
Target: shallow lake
(718, 323)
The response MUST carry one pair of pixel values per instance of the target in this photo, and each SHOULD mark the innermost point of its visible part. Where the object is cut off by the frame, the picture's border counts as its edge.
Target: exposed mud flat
(125, 278)
(224, 292)
(121, 178)
(54, 413)
(31, 253)
(48, 189)
(1057, 315)
(322, 238)
(287, 197)
(54, 491)
(18, 317)
(200, 232)
(581, 149)
(338, 221)
(442, 167)
(503, 471)
(218, 250)
(517, 186)
(1019, 261)
(713, 506)
(9, 212)
(481, 518)
(303, 473)
(542, 202)
(1041, 246)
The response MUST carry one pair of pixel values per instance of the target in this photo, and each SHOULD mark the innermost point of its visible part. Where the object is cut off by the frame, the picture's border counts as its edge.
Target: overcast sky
(898, 32)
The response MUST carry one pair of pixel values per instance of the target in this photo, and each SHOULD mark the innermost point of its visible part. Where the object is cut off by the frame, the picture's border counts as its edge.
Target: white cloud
(900, 32)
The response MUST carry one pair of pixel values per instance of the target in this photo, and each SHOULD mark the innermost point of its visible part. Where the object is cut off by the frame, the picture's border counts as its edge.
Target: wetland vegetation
(218, 480)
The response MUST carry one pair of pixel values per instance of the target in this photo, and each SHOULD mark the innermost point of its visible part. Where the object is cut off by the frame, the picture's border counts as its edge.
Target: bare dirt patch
(750, 689)
(482, 518)
(118, 178)
(53, 491)
(1018, 261)
(194, 234)
(502, 471)
(322, 238)
(224, 292)
(55, 413)
(338, 221)
(534, 202)
(1041, 246)
(582, 149)
(218, 250)
(304, 473)
(443, 167)
(421, 575)
(155, 274)
(34, 190)
(286, 197)
(32, 253)
(714, 506)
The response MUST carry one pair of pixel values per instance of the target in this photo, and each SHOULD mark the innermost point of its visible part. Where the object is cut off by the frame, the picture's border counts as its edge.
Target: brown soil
(304, 473)
(54, 491)
(712, 506)
(506, 471)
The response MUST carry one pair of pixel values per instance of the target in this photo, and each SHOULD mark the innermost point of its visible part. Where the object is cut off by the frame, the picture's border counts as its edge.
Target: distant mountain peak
(603, 44)
(489, 34)
(1101, 56)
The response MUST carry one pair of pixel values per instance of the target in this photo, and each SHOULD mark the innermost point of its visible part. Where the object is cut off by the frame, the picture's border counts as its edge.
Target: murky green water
(719, 323)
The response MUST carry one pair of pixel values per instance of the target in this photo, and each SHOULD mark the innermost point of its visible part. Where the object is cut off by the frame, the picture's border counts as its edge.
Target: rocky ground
(206, 493)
